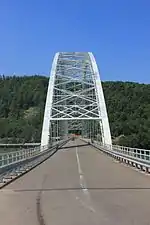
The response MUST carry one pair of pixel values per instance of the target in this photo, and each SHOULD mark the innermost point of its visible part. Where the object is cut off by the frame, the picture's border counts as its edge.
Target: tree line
(22, 101)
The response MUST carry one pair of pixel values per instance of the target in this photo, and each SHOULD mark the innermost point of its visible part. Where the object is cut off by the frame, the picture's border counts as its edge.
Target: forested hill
(22, 102)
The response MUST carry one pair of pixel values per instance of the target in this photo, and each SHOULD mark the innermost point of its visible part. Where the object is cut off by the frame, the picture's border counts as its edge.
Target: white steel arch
(105, 128)
(75, 100)
(48, 105)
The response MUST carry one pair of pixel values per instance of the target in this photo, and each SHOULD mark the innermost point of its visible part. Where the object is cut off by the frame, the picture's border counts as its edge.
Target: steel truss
(75, 102)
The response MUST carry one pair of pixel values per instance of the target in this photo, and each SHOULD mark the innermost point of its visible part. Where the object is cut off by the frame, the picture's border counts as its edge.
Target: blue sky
(116, 31)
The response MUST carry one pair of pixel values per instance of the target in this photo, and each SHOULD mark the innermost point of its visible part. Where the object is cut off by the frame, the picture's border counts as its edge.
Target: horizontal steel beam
(76, 118)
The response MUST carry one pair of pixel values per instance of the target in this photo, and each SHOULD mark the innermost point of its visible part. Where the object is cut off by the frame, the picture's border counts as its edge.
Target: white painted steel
(75, 94)
(48, 106)
(105, 128)
(13, 157)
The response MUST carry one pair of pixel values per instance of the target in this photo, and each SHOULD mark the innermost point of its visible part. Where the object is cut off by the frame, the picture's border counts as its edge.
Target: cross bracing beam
(75, 100)
(75, 118)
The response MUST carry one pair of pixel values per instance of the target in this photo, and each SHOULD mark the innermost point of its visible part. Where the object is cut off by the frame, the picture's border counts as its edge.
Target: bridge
(75, 175)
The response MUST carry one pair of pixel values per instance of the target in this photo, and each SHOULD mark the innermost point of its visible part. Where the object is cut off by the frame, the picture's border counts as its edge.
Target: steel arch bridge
(75, 101)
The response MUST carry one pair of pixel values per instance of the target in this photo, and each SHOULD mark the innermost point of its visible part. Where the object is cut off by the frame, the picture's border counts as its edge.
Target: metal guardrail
(9, 158)
(18, 156)
(14, 164)
(139, 158)
(134, 153)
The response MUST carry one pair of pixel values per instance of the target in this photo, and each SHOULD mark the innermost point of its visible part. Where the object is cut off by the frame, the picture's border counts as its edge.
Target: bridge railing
(14, 164)
(13, 157)
(142, 154)
(134, 156)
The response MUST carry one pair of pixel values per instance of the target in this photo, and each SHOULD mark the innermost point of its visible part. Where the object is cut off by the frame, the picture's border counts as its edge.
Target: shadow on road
(93, 189)
(74, 146)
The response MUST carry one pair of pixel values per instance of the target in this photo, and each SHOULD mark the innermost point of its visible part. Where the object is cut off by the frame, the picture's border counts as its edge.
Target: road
(78, 185)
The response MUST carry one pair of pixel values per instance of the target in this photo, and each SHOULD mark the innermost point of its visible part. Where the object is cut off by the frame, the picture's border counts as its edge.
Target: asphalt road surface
(78, 185)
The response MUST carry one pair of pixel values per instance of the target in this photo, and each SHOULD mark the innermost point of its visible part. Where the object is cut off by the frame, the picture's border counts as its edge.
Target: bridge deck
(77, 186)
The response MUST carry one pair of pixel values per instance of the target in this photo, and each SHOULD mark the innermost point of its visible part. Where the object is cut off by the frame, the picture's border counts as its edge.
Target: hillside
(22, 102)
